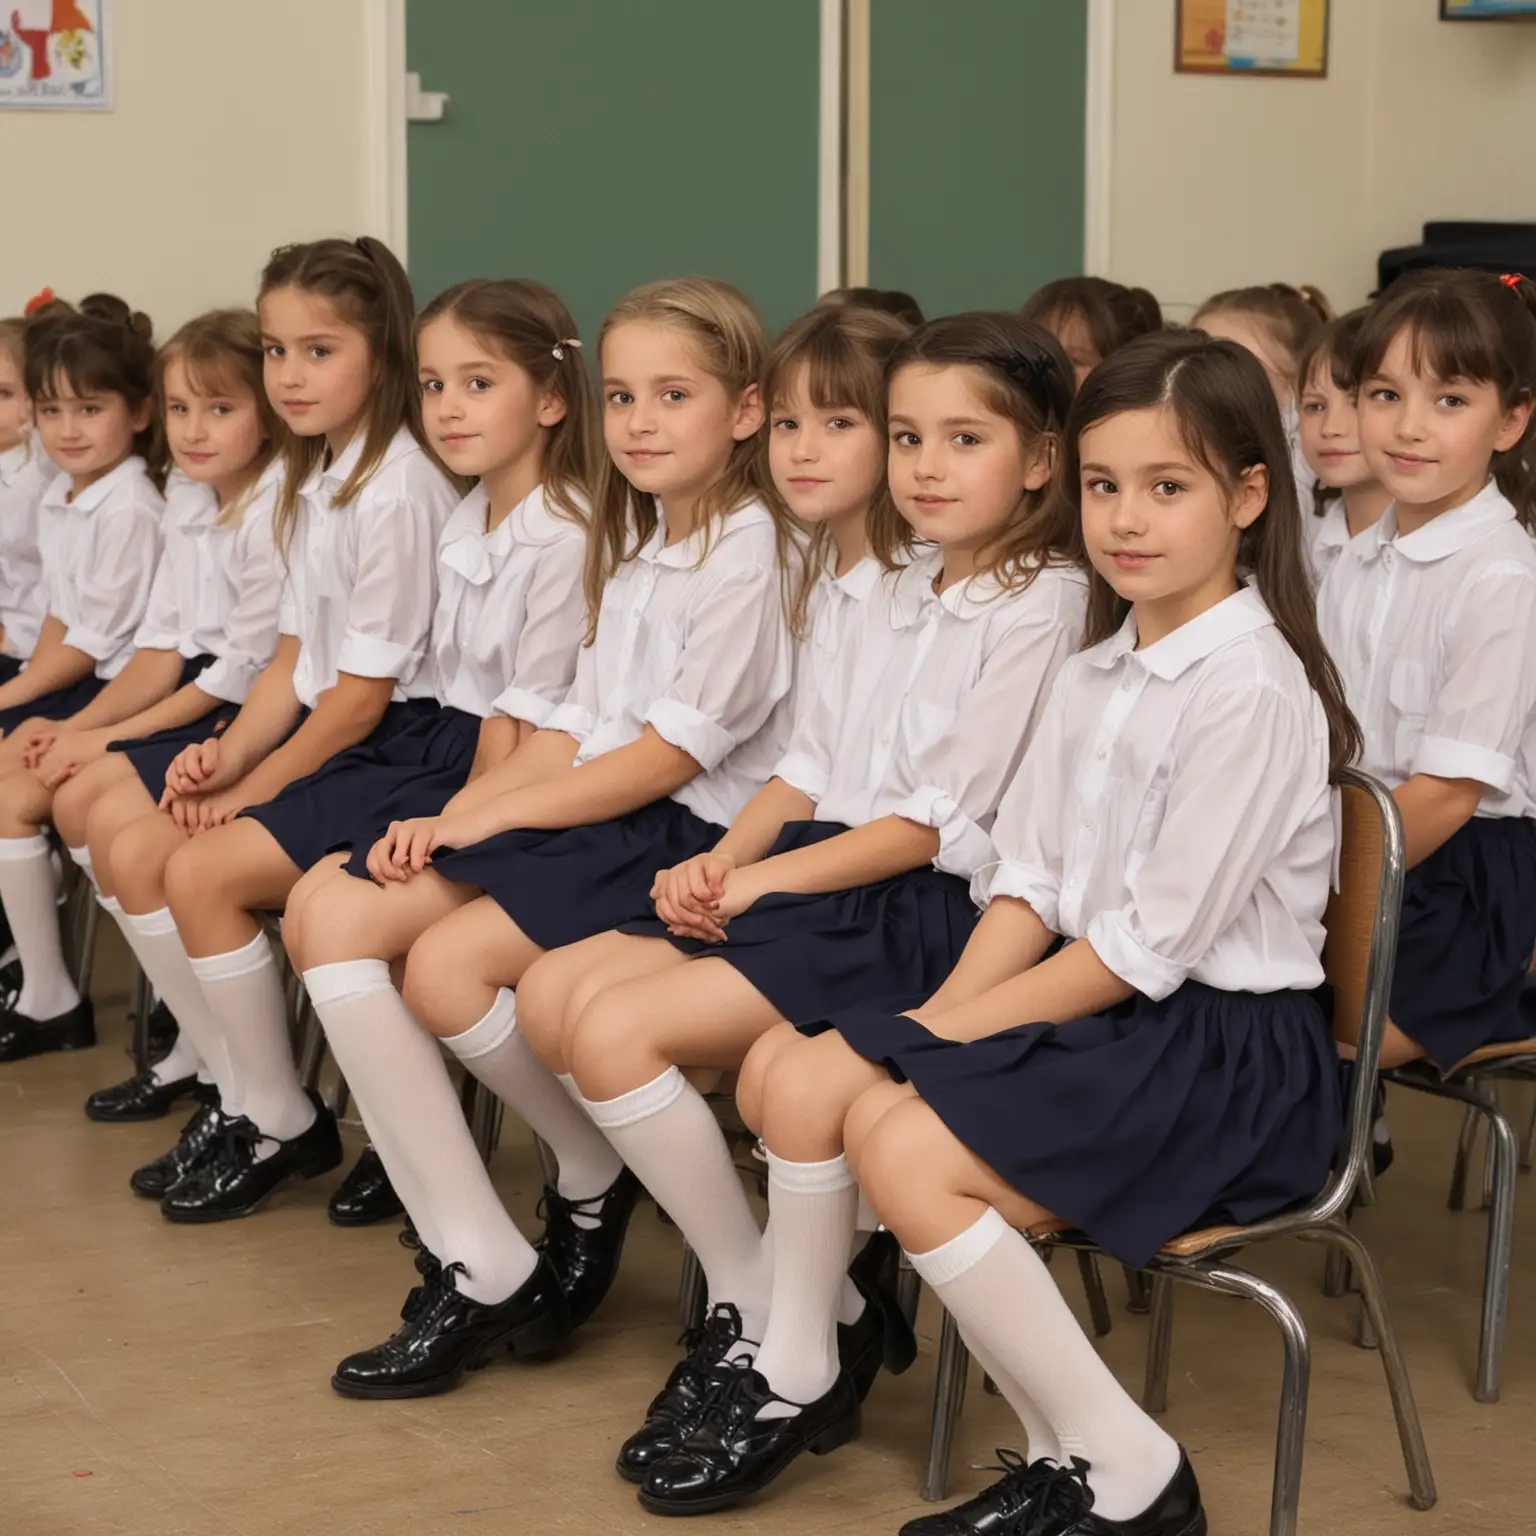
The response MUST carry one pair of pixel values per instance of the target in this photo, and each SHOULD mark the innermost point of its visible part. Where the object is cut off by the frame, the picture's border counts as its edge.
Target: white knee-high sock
(1004, 1299)
(183, 1059)
(850, 1306)
(250, 1015)
(666, 1132)
(82, 857)
(154, 939)
(813, 1206)
(27, 891)
(496, 1052)
(398, 1077)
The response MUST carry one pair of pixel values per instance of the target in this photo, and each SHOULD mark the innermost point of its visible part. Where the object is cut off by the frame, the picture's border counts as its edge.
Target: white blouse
(1174, 808)
(25, 475)
(1326, 537)
(832, 608)
(699, 652)
(362, 579)
(1434, 633)
(99, 556)
(928, 708)
(511, 614)
(216, 590)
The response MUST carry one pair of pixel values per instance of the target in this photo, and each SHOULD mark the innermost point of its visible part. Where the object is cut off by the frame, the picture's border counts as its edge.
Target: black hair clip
(1031, 369)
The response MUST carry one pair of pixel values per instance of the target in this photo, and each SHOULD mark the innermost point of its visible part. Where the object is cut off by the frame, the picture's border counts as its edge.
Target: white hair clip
(559, 347)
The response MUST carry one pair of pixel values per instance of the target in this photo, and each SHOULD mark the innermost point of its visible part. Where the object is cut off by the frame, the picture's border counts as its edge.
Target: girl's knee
(338, 921)
(541, 1007)
(892, 1157)
(806, 1087)
(434, 955)
(598, 1033)
(754, 1072)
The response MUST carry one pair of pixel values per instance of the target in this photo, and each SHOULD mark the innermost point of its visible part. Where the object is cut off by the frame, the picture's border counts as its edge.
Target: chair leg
(949, 1375)
(1528, 1147)
(484, 1119)
(691, 1290)
(1490, 1153)
(1138, 1293)
(140, 1009)
(311, 1044)
(85, 924)
(1154, 1395)
(1093, 1285)
(909, 1289)
(1501, 1227)
(1410, 1432)
(549, 1165)
(1457, 1199)
(342, 1097)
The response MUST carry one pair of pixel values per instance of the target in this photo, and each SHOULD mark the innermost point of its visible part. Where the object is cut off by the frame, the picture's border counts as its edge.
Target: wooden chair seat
(1496, 1052)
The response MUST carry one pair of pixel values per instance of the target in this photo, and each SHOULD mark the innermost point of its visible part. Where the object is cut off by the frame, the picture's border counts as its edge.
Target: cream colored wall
(1219, 180)
(239, 125)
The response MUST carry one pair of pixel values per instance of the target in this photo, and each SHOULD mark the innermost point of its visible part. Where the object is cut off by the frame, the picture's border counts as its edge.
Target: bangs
(212, 373)
(834, 371)
(1447, 338)
(73, 364)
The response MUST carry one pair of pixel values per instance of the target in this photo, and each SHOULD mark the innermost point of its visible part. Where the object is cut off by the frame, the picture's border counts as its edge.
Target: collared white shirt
(25, 475)
(1434, 634)
(1326, 537)
(511, 613)
(216, 590)
(832, 608)
(699, 652)
(362, 579)
(99, 556)
(928, 709)
(1174, 808)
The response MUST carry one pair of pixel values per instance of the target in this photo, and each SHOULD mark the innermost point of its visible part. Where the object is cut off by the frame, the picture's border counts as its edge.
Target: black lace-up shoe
(882, 1335)
(160, 1032)
(139, 1098)
(587, 1258)
(444, 1334)
(21, 1036)
(365, 1196)
(733, 1453)
(233, 1181)
(199, 1137)
(1000, 1509)
(675, 1409)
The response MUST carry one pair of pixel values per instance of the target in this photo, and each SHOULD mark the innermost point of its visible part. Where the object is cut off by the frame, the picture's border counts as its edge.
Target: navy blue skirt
(1464, 947)
(152, 755)
(564, 885)
(1143, 1122)
(339, 802)
(58, 705)
(886, 946)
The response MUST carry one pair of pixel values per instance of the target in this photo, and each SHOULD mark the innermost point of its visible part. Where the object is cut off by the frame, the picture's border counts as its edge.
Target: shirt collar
(1241, 614)
(1333, 527)
(331, 477)
(687, 553)
(1446, 535)
(859, 580)
(190, 504)
(13, 461)
(914, 595)
(97, 492)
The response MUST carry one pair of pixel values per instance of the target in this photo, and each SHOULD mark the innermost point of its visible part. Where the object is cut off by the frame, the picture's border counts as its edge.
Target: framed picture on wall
(56, 54)
(1252, 37)
(1485, 10)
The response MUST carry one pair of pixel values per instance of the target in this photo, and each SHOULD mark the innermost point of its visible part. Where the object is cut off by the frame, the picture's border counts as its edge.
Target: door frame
(387, 190)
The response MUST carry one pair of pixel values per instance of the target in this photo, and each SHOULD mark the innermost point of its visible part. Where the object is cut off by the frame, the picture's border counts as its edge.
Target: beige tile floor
(165, 1381)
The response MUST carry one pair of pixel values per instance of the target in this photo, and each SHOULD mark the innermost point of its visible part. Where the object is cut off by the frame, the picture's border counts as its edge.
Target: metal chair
(1359, 954)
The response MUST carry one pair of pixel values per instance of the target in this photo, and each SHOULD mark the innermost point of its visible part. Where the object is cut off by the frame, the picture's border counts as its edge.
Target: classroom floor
(174, 1381)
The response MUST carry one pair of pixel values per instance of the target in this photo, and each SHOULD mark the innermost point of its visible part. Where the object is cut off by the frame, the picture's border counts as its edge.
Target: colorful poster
(1255, 37)
(56, 54)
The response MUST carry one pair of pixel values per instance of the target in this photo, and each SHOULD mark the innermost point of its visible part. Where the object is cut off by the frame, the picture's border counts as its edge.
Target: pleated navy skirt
(1464, 947)
(152, 755)
(884, 946)
(58, 705)
(339, 802)
(1142, 1122)
(565, 885)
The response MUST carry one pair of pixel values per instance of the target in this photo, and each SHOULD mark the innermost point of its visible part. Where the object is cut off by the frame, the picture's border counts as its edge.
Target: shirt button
(1102, 754)
(1088, 822)
(1125, 685)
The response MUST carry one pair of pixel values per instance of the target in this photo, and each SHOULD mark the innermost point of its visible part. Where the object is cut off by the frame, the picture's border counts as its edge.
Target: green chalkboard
(594, 145)
(976, 148)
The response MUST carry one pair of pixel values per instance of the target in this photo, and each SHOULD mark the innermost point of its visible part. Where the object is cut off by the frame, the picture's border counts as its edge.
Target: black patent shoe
(160, 1032)
(444, 1334)
(732, 1453)
(587, 1258)
(199, 1137)
(139, 1098)
(73, 1031)
(881, 1335)
(1000, 1509)
(232, 1181)
(675, 1409)
(365, 1196)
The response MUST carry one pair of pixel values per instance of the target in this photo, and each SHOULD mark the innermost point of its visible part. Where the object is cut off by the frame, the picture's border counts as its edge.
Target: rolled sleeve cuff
(1023, 882)
(706, 741)
(1442, 758)
(1131, 960)
(229, 680)
(147, 639)
(575, 721)
(963, 846)
(97, 646)
(525, 704)
(367, 656)
(800, 772)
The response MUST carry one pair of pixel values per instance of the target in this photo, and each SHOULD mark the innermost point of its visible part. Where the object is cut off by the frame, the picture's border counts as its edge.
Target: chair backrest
(1360, 951)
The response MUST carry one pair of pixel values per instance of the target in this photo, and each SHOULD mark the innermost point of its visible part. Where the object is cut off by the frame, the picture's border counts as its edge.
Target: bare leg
(75, 798)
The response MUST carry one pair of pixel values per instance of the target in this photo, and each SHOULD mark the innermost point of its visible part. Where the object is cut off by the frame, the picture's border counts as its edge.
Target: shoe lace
(428, 1266)
(242, 1132)
(1013, 1493)
(707, 1343)
(1060, 1494)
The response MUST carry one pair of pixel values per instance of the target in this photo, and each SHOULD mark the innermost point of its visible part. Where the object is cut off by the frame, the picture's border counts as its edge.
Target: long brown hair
(1023, 375)
(1466, 325)
(222, 354)
(368, 288)
(1112, 313)
(529, 325)
(729, 341)
(1224, 409)
(840, 353)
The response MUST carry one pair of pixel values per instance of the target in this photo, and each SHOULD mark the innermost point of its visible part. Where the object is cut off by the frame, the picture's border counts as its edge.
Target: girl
(90, 378)
(507, 402)
(1349, 498)
(1275, 322)
(362, 503)
(1432, 616)
(1092, 317)
(25, 473)
(890, 301)
(1166, 1065)
(210, 627)
(673, 722)
(844, 880)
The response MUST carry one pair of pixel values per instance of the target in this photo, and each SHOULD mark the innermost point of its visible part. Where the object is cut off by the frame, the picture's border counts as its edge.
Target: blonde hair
(13, 341)
(1290, 316)
(729, 342)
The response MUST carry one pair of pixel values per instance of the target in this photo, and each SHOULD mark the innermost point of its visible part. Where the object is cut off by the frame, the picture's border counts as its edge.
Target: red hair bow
(1512, 279)
(37, 301)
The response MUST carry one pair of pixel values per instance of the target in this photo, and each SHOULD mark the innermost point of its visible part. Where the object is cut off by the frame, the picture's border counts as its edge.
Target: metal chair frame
(1205, 1260)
